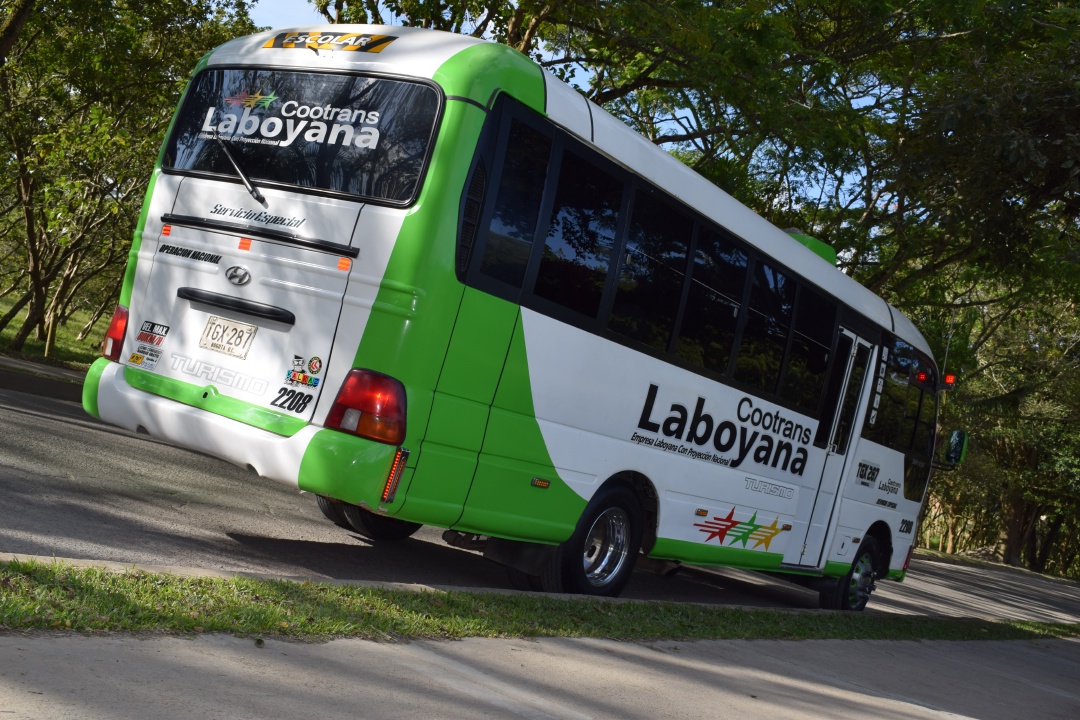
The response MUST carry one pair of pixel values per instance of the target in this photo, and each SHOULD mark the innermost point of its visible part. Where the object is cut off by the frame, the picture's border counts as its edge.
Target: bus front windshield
(344, 134)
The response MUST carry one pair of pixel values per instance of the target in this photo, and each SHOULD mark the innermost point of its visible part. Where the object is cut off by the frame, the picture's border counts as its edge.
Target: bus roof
(420, 52)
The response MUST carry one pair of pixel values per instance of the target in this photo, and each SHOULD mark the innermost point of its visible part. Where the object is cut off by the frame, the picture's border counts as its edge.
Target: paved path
(114, 678)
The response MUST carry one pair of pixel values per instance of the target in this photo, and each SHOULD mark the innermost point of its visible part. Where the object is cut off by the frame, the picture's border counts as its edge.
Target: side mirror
(956, 448)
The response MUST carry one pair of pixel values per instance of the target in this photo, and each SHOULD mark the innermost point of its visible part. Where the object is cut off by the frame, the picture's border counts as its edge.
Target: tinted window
(808, 360)
(902, 409)
(717, 281)
(772, 299)
(651, 272)
(897, 403)
(917, 465)
(846, 419)
(517, 205)
(580, 236)
(356, 135)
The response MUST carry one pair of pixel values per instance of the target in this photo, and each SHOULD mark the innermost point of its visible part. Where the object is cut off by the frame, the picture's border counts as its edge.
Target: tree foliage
(87, 88)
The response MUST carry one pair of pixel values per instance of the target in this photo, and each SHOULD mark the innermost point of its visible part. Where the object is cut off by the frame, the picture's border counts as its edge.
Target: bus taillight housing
(370, 405)
(114, 336)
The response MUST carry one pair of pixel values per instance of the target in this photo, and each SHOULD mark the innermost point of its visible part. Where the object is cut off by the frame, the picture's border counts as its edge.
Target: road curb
(40, 379)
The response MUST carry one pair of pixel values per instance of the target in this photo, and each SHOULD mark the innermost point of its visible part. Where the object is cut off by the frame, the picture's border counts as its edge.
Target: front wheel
(378, 527)
(852, 591)
(599, 557)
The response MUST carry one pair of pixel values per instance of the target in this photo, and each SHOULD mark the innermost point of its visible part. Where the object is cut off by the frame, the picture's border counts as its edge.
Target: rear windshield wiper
(243, 176)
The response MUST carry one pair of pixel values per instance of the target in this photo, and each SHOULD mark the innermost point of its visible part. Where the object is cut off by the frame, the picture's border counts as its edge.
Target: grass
(55, 596)
(69, 352)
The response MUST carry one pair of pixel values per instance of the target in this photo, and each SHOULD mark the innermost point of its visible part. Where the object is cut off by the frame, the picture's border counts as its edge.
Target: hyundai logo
(238, 275)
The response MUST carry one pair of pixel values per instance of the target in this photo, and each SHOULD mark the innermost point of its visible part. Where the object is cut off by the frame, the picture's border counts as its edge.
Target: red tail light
(114, 336)
(371, 405)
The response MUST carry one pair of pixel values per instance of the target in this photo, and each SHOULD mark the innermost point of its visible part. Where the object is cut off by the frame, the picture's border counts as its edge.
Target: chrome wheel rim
(862, 581)
(607, 547)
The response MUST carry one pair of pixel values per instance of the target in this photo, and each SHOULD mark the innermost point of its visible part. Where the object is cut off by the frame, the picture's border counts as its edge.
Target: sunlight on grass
(54, 596)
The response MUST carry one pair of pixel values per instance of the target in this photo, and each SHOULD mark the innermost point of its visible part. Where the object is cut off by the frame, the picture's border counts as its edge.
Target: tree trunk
(15, 309)
(33, 319)
(21, 11)
(1040, 557)
(59, 300)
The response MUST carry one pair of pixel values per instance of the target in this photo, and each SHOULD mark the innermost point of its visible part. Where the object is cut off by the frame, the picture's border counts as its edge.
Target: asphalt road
(73, 487)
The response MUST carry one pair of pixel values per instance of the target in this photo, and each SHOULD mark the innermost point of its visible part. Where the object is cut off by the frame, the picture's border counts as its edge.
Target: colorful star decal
(252, 100)
(745, 530)
(718, 527)
(765, 534)
(265, 100)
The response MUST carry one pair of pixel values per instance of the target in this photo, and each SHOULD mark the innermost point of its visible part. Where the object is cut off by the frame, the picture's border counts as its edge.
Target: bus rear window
(361, 136)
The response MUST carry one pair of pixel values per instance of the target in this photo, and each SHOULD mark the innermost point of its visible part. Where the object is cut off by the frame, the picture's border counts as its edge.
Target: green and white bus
(414, 275)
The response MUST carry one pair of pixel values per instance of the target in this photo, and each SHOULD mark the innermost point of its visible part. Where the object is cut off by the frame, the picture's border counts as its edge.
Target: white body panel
(270, 455)
(591, 399)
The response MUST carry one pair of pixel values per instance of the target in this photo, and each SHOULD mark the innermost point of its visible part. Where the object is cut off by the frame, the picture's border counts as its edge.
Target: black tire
(334, 511)
(852, 591)
(378, 527)
(600, 556)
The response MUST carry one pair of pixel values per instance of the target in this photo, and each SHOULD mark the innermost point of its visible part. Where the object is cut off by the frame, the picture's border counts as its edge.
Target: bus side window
(580, 236)
(651, 272)
(764, 339)
(894, 423)
(517, 205)
(717, 284)
(916, 469)
(808, 358)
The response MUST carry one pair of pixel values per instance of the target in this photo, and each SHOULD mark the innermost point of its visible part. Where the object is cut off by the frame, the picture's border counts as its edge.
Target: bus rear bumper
(272, 456)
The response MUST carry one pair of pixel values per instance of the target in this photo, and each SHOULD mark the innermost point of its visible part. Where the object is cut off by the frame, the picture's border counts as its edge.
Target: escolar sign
(351, 42)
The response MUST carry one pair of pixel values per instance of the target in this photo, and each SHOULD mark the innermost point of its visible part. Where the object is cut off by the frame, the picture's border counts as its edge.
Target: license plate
(227, 337)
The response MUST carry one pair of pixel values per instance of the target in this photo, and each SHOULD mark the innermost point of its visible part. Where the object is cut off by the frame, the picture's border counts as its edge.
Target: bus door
(849, 376)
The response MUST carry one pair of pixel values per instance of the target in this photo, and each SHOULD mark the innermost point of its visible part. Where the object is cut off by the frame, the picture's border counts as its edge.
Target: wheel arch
(649, 498)
(882, 534)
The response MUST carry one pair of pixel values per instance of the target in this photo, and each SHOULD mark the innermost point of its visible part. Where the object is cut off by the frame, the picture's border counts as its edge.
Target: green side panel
(515, 388)
(208, 398)
(481, 71)
(836, 569)
(459, 413)
(504, 501)
(457, 422)
(704, 554)
(413, 319)
(136, 241)
(90, 386)
(897, 575)
(439, 485)
(335, 461)
(477, 352)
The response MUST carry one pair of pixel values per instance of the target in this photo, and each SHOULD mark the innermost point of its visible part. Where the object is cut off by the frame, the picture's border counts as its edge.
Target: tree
(86, 92)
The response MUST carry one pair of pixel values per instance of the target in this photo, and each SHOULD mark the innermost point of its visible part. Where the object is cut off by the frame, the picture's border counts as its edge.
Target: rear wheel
(378, 527)
(599, 557)
(333, 510)
(852, 591)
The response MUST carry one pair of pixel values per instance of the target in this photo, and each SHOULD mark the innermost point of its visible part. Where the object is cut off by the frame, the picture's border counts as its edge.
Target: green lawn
(69, 352)
(54, 596)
